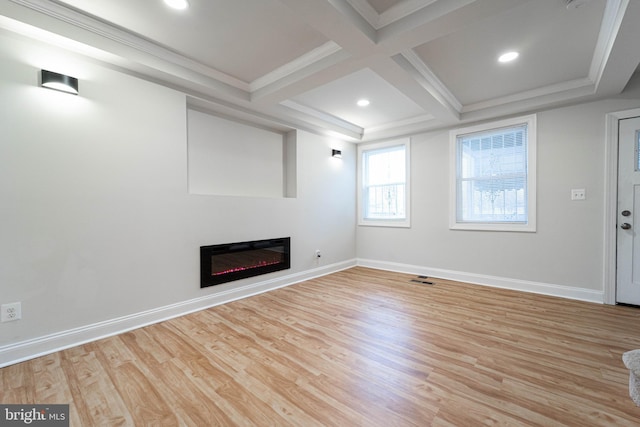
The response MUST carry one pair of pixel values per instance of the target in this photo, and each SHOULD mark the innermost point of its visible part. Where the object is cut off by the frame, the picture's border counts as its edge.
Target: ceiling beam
(617, 54)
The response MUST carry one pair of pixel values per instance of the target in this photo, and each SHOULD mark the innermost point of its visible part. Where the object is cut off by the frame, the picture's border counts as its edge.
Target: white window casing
(383, 184)
(493, 176)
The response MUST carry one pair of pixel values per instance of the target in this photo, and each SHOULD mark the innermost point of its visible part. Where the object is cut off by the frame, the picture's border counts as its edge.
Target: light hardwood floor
(360, 347)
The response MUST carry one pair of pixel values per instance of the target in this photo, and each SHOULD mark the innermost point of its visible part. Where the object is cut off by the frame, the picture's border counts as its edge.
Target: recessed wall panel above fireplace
(234, 261)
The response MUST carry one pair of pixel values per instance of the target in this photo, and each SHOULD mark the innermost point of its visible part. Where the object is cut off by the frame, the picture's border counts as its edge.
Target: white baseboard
(492, 281)
(29, 349)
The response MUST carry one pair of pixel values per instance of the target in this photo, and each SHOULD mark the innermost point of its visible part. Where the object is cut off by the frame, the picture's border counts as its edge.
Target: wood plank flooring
(361, 347)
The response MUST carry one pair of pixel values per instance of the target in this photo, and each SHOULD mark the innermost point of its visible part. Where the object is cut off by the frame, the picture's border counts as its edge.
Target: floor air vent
(421, 279)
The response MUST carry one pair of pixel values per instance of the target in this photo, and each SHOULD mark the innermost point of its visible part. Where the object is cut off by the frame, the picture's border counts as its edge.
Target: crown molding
(57, 11)
(279, 119)
(408, 126)
(247, 117)
(366, 11)
(393, 14)
(307, 60)
(430, 81)
(325, 117)
(564, 90)
(423, 118)
(61, 25)
(613, 14)
(402, 10)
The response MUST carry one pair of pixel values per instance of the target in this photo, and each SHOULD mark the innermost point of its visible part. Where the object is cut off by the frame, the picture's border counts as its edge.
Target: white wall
(564, 257)
(233, 159)
(99, 232)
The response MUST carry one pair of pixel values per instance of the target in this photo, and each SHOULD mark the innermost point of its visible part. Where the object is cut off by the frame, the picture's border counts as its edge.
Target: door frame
(611, 200)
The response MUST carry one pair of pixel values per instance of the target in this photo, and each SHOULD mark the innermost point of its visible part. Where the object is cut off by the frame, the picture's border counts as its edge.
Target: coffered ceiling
(422, 64)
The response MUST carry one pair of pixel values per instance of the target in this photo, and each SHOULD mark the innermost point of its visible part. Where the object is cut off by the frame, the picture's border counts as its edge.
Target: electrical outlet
(10, 312)
(578, 194)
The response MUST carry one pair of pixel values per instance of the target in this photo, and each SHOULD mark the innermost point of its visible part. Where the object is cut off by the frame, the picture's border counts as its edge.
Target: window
(493, 178)
(383, 184)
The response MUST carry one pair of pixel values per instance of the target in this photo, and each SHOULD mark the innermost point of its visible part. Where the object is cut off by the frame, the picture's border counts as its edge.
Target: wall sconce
(336, 153)
(60, 82)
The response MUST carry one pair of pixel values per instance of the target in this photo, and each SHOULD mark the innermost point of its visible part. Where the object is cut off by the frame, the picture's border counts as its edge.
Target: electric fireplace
(234, 261)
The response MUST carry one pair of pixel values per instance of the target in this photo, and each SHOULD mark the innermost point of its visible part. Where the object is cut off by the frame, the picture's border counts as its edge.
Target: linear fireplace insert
(234, 261)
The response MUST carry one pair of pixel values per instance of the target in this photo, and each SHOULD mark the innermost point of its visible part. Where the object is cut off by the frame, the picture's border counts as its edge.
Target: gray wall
(97, 222)
(566, 250)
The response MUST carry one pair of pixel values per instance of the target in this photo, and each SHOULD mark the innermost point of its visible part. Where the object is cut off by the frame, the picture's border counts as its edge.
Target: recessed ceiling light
(508, 57)
(363, 102)
(177, 4)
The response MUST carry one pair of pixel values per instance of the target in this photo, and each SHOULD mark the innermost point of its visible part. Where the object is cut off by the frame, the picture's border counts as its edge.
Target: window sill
(403, 223)
(477, 226)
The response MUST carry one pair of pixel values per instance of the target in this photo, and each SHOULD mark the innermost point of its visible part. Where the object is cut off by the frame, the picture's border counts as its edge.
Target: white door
(628, 236)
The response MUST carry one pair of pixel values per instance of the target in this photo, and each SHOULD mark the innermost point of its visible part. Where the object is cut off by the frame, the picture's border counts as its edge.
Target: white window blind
(493, 179)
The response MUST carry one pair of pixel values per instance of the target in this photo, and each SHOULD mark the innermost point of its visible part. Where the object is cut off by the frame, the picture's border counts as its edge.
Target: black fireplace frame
(207, 254)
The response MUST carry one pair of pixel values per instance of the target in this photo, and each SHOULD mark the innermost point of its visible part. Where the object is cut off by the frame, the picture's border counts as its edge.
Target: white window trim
(530, 226)
(406, 222)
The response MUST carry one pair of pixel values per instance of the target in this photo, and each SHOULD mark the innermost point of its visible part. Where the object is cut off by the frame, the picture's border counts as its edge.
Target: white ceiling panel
(339, 98)
(245, 39)
(556, 45)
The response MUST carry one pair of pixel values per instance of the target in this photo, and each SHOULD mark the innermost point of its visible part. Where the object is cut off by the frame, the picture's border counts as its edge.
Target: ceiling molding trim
(240, 116)
(429, 80)
(320, 127)
(280, 90)
(409, 129)
(399, 124)
(272, 120)
(366, 11)
(31, 32)
(355, 19)
(325, 117)
(300, 63)
(233, 111)
(121, 37)
(393, 14)
(567, 90)
(402, 10)
(423, 21)
(613, 14)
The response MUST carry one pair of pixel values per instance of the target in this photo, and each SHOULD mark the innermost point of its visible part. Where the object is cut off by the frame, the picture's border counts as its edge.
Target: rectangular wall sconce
(336, 153)
(60, 82)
